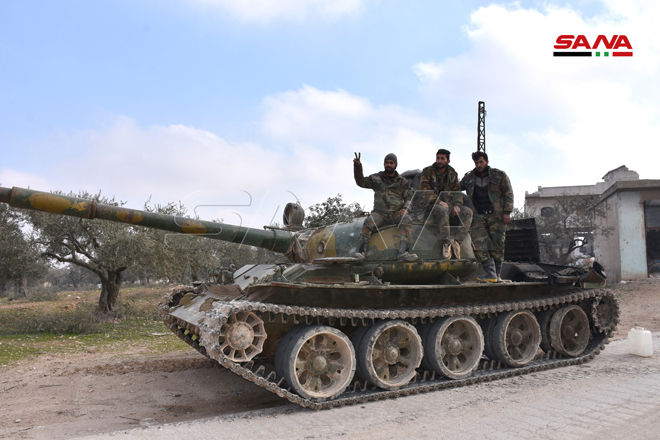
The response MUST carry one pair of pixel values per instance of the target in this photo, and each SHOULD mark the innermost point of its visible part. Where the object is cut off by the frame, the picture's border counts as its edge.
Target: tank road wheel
(423, 332)
(516, 337)
(543, 318)
(389, 354)
(280, 351)
(487, 327)
(319, 362)
(242, 336)
(357, 340)
(454, 346)
(569, 330)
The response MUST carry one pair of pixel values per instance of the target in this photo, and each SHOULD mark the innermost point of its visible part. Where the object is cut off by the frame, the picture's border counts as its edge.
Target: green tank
(327, 329)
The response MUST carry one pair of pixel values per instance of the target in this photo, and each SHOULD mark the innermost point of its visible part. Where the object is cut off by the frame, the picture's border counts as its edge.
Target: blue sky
(200, 100)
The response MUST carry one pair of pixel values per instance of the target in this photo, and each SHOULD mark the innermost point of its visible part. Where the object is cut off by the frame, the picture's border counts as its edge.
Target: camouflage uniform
(435, 185)
(488, 229)
(391, 195)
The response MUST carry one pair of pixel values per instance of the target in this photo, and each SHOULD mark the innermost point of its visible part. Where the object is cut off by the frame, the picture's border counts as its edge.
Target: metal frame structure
(481, 127)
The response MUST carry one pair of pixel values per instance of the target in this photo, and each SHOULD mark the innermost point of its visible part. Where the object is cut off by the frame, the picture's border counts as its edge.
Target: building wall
(623, 252)
(606, 248)
(632, 236)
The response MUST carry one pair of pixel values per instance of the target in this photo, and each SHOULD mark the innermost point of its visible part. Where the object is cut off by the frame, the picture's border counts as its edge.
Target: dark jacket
(500, 192)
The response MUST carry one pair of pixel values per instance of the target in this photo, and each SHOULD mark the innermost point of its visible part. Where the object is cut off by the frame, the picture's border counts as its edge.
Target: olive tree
(19, 255)
(105, 248)
(332, 211)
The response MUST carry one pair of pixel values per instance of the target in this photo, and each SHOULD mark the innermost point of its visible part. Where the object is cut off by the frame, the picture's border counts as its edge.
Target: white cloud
(567, 120)
(10, 177)
(319, 130)
(428, 71)
(312, 114)
(333, 125)
(297, 10)
(170, 163)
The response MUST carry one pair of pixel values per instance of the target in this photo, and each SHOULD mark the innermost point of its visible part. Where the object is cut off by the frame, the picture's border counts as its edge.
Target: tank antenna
(481, 127)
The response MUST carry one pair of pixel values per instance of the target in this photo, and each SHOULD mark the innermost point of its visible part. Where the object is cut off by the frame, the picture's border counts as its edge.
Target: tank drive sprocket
(605, 313)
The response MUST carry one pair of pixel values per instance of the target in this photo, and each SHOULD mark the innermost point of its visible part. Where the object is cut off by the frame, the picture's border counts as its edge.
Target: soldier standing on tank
(492, 197)
(392, 199)
(436, 182)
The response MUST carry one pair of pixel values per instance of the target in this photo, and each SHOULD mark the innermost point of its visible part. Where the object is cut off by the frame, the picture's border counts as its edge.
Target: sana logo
(611, 46)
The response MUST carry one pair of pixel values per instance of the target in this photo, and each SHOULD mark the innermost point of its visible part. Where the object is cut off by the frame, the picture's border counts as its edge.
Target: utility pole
(481, 127)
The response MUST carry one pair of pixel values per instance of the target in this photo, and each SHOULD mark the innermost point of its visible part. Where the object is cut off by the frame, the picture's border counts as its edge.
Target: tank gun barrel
(274, 240)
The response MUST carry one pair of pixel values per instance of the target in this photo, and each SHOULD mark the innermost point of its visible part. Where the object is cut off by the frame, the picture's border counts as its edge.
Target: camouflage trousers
(488, 233)
(378, 219)
(441, 215)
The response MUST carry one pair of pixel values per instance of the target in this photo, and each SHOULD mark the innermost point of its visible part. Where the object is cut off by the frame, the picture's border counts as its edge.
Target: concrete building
(547, 197)
(632, 212)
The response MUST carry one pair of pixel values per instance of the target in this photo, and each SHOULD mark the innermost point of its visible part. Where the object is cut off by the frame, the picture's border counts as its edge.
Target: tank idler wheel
(543, 318)
(454, 346)
(319, 362)
(487, 327)
(569, 331)
(242, 336)
(516, 337)
(389, 354)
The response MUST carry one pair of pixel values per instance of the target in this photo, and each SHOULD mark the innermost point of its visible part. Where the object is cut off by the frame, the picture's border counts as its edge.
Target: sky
(237, 108)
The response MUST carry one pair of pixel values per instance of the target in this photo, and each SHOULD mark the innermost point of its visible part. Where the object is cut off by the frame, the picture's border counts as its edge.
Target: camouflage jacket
(499, 190)
(390, 194)
(433, 184)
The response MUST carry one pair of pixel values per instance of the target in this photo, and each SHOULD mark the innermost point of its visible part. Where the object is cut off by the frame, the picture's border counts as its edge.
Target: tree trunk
(74, 280)
(110, 284)
(21, 287)
(143, 276)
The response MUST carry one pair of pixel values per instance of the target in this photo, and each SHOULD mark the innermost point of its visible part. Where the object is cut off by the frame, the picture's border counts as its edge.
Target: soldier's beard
(389, 170)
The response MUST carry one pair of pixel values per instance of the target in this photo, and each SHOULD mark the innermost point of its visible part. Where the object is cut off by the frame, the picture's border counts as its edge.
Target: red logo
(573, 45)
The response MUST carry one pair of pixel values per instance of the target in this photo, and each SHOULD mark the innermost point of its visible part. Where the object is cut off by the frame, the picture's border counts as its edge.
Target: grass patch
(80, 319)
(69, 325)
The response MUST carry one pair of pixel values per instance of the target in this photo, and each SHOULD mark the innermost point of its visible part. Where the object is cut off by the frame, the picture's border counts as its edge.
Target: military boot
(498, 271)
(490, 276)
(446, 250)
(404, 253)
(456, 249)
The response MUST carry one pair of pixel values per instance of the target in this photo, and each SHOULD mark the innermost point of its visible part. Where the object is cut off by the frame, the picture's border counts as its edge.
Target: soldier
(492, 197)
(437, 203)
(392, 198)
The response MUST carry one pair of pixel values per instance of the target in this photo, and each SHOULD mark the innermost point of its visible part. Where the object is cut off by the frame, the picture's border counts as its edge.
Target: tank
(327, 329)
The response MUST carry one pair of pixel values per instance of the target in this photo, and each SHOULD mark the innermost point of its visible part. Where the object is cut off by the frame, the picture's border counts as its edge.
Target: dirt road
(70, 397)
(617, 396)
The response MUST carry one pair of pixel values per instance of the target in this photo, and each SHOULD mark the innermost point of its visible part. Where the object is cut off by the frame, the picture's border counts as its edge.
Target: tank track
(263, 374)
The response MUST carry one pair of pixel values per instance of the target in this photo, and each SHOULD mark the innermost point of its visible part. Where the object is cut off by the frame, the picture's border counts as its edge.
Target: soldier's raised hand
(357, 159)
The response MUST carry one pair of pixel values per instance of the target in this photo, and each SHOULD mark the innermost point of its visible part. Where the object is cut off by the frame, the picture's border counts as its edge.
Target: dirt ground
(75, 395)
